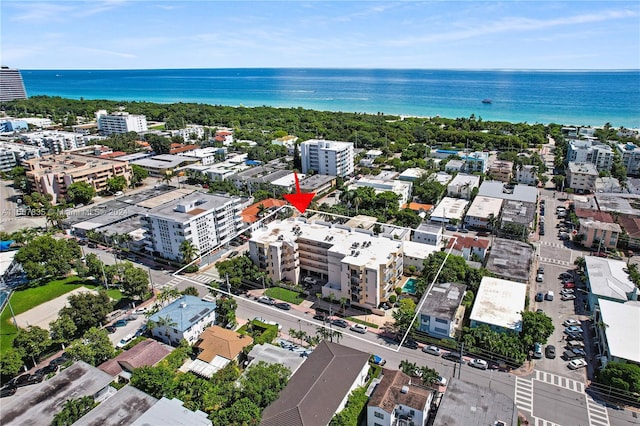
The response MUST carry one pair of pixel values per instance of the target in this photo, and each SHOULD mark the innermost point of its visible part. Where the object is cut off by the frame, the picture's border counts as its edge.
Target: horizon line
(345, 68)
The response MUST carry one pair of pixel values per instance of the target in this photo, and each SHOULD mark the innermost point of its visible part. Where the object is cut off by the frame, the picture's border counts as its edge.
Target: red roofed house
(468, 246)
(594, 215)
(176, 148)
(251, 214)
(398, 400)
(631, 225)
(224, 136)
(146, 353)
(418, 207)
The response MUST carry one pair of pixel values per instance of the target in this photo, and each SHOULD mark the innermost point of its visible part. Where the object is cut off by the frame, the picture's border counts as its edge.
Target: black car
(110, 329)
(539, 297)
(411, 344)
(453, 356)
(320, 317)
(340, 323)
(8, 391)
(550, 351)
(92, 245)
(284, 306)
(22, 380)
(60, 360)
(82, 243)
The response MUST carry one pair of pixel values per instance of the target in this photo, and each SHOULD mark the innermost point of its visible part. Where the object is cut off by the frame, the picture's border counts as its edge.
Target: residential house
(256, 211)
(469, 247)
(185, 318)
(631, 225)
(172, 412)
(146, 353)
(598, 234)
(510, 259)
(421, 209)
(499, 304)
(428, 234)
(401, 188)
(320, 388)
(501, 170)
(462, 186)
(414, 254)
(581, 177)
(216, 348)
(476, 162)
(497, 189)
(449, 210)
(288, 142)
(518, 213)
(630, 153)
(272, 354)
(123, 408)
(454, 166)
(413, 173)
(398, 400)
(440, 312)
(613, 339)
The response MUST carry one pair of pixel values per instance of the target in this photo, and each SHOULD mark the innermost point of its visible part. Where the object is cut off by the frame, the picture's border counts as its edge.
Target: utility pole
(461, 354)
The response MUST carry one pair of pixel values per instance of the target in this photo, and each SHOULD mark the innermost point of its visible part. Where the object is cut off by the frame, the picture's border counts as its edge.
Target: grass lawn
(157, 127)
(23, 300)
(284, 295)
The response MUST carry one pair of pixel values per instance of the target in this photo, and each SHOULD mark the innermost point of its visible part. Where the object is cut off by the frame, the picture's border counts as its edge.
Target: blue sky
(326, 34)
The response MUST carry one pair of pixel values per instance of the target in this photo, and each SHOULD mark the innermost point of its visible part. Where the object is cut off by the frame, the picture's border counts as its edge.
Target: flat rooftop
(343, 242)
(497, 189)
(510, 259)
(45, 400)
(484, 207)
(499, 302)
(70, 163)
(450, 208)
(618, 317)
(123, 408)
(443, 300)
(194, 204)
(519, 212)
(272, 354)
(465, 404)
(607, 278)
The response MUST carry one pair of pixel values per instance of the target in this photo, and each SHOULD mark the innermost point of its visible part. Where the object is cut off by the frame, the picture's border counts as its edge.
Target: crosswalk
(598, 414)
(524, 394)
(203, 277)
(542, 422)
(554, 261)
(552, 244)
(560, 381)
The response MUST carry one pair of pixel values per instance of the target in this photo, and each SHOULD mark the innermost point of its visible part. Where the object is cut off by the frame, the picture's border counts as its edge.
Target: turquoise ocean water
(567, 97)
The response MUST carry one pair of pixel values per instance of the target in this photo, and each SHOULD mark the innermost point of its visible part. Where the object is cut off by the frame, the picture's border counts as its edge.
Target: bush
(393, 299)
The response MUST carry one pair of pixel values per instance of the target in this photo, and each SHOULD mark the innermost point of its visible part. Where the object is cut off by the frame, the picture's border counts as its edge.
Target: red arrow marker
(298, 199)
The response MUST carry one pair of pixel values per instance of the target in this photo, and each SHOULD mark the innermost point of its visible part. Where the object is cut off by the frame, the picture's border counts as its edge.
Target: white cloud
(39, 12)
(103, 52)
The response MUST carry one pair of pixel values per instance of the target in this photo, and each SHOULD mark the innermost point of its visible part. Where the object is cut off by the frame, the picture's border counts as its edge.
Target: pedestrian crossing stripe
(560, 381)
(598, 414)
(537, 421)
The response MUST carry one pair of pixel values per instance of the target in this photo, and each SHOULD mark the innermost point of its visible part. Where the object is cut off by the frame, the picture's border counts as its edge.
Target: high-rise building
(11, 85)
(205, 220)
(120, 122)
(327, 157)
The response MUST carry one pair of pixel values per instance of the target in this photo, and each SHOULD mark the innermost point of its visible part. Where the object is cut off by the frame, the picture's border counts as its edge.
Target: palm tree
(580, 263)
(167, 178)
(492, 221)
(55, 217)
(188, 251)
(357, 200)
(261, 210)
(343, 302)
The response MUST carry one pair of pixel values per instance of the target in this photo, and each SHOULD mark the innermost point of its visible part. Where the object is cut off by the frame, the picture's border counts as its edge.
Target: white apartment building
(353, 262)
(462, 185)
(582, 176)
(477, 161)
(206, 156)
(191, 133)
(120, 122)
(203, 219)
(526, 174)
(185, 318)
(588, 151)
(327, 157)
(630, 157)
(7, 160)
(398, 187)
(54, 140)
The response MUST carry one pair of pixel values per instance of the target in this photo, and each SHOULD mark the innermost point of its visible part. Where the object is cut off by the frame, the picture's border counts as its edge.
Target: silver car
(433, 350)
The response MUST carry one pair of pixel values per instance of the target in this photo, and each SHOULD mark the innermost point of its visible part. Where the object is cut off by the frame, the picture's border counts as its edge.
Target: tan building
(501, 170)
(581, 177)
(53, 174)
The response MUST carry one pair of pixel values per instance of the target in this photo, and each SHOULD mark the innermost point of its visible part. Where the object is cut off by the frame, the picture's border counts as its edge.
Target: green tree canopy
(116, 183)
(80, 193)
(88, 310)
(226, 310)
(63, 329)
(10, 362)
(138, 174)
(32, 342)
(73, 410)
(45, 256)
(94, 347)
(159, 144)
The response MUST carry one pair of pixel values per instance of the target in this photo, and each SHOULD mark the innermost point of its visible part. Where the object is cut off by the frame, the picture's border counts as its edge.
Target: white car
(358, 328)
(433, 350)
(479, 363)
(440, 381)
(309, 280)
(568, 297)
(569, 322)
(577, 363)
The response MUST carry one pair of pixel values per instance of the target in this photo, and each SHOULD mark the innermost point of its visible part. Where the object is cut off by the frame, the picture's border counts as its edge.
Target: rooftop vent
(405, 389)
(183, 305)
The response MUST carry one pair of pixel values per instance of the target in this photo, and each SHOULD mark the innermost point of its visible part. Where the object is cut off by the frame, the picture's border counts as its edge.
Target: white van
(126, 339)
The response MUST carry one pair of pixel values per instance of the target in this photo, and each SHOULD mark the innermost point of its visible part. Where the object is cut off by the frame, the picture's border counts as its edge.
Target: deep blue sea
(566, 97)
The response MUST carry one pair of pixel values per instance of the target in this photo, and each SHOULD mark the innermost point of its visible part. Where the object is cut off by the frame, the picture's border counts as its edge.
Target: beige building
(582, 177)
(53, 174)
(501, 170)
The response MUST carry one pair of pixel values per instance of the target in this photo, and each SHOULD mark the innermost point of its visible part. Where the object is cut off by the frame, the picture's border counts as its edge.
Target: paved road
(9, 221)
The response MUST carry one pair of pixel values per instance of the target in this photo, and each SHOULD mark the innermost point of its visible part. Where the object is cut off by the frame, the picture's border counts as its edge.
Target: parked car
(340, 323)
(378, 360)
(92, 245)
(8, 391)
(574, 353)
(540, 278)
(574, 336)
(358, 328)
(571, 322)
(566, 291)
(310, 280)
(575, 344)
(451, 228)
(573, 329)
(60, 360)
(320, 317)
(266, 300)
(463, 231)
(410, 343)
(565, 275)
(549, 296)
(577, 363)
(537, 350)
(539, 296)
(566, 297)
(440, 381)
(479, 363)
(433, 350)
(453, 356)
(541, 270)
(232, 254)
(111, 328)
(550, 351)
(284, 306)
(120, 323)
(569, 285)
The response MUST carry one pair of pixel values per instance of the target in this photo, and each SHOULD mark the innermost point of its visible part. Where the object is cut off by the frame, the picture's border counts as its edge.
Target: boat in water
(486, 101)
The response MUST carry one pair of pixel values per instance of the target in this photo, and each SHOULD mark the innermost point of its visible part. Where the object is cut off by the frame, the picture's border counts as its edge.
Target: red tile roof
(464, 242)
(631, 225)
(250, 214)
(176, 148)
(594, 215)
(418, 207)
(113, 154)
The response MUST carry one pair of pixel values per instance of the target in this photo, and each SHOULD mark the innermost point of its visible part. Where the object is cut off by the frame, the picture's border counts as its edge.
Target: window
(378, 415)
(412, 413)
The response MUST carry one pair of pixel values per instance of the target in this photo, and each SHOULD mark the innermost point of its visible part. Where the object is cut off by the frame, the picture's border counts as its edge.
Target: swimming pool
(410, 286)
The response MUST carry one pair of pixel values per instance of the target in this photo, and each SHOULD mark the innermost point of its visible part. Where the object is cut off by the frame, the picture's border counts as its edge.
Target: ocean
(565, 97)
